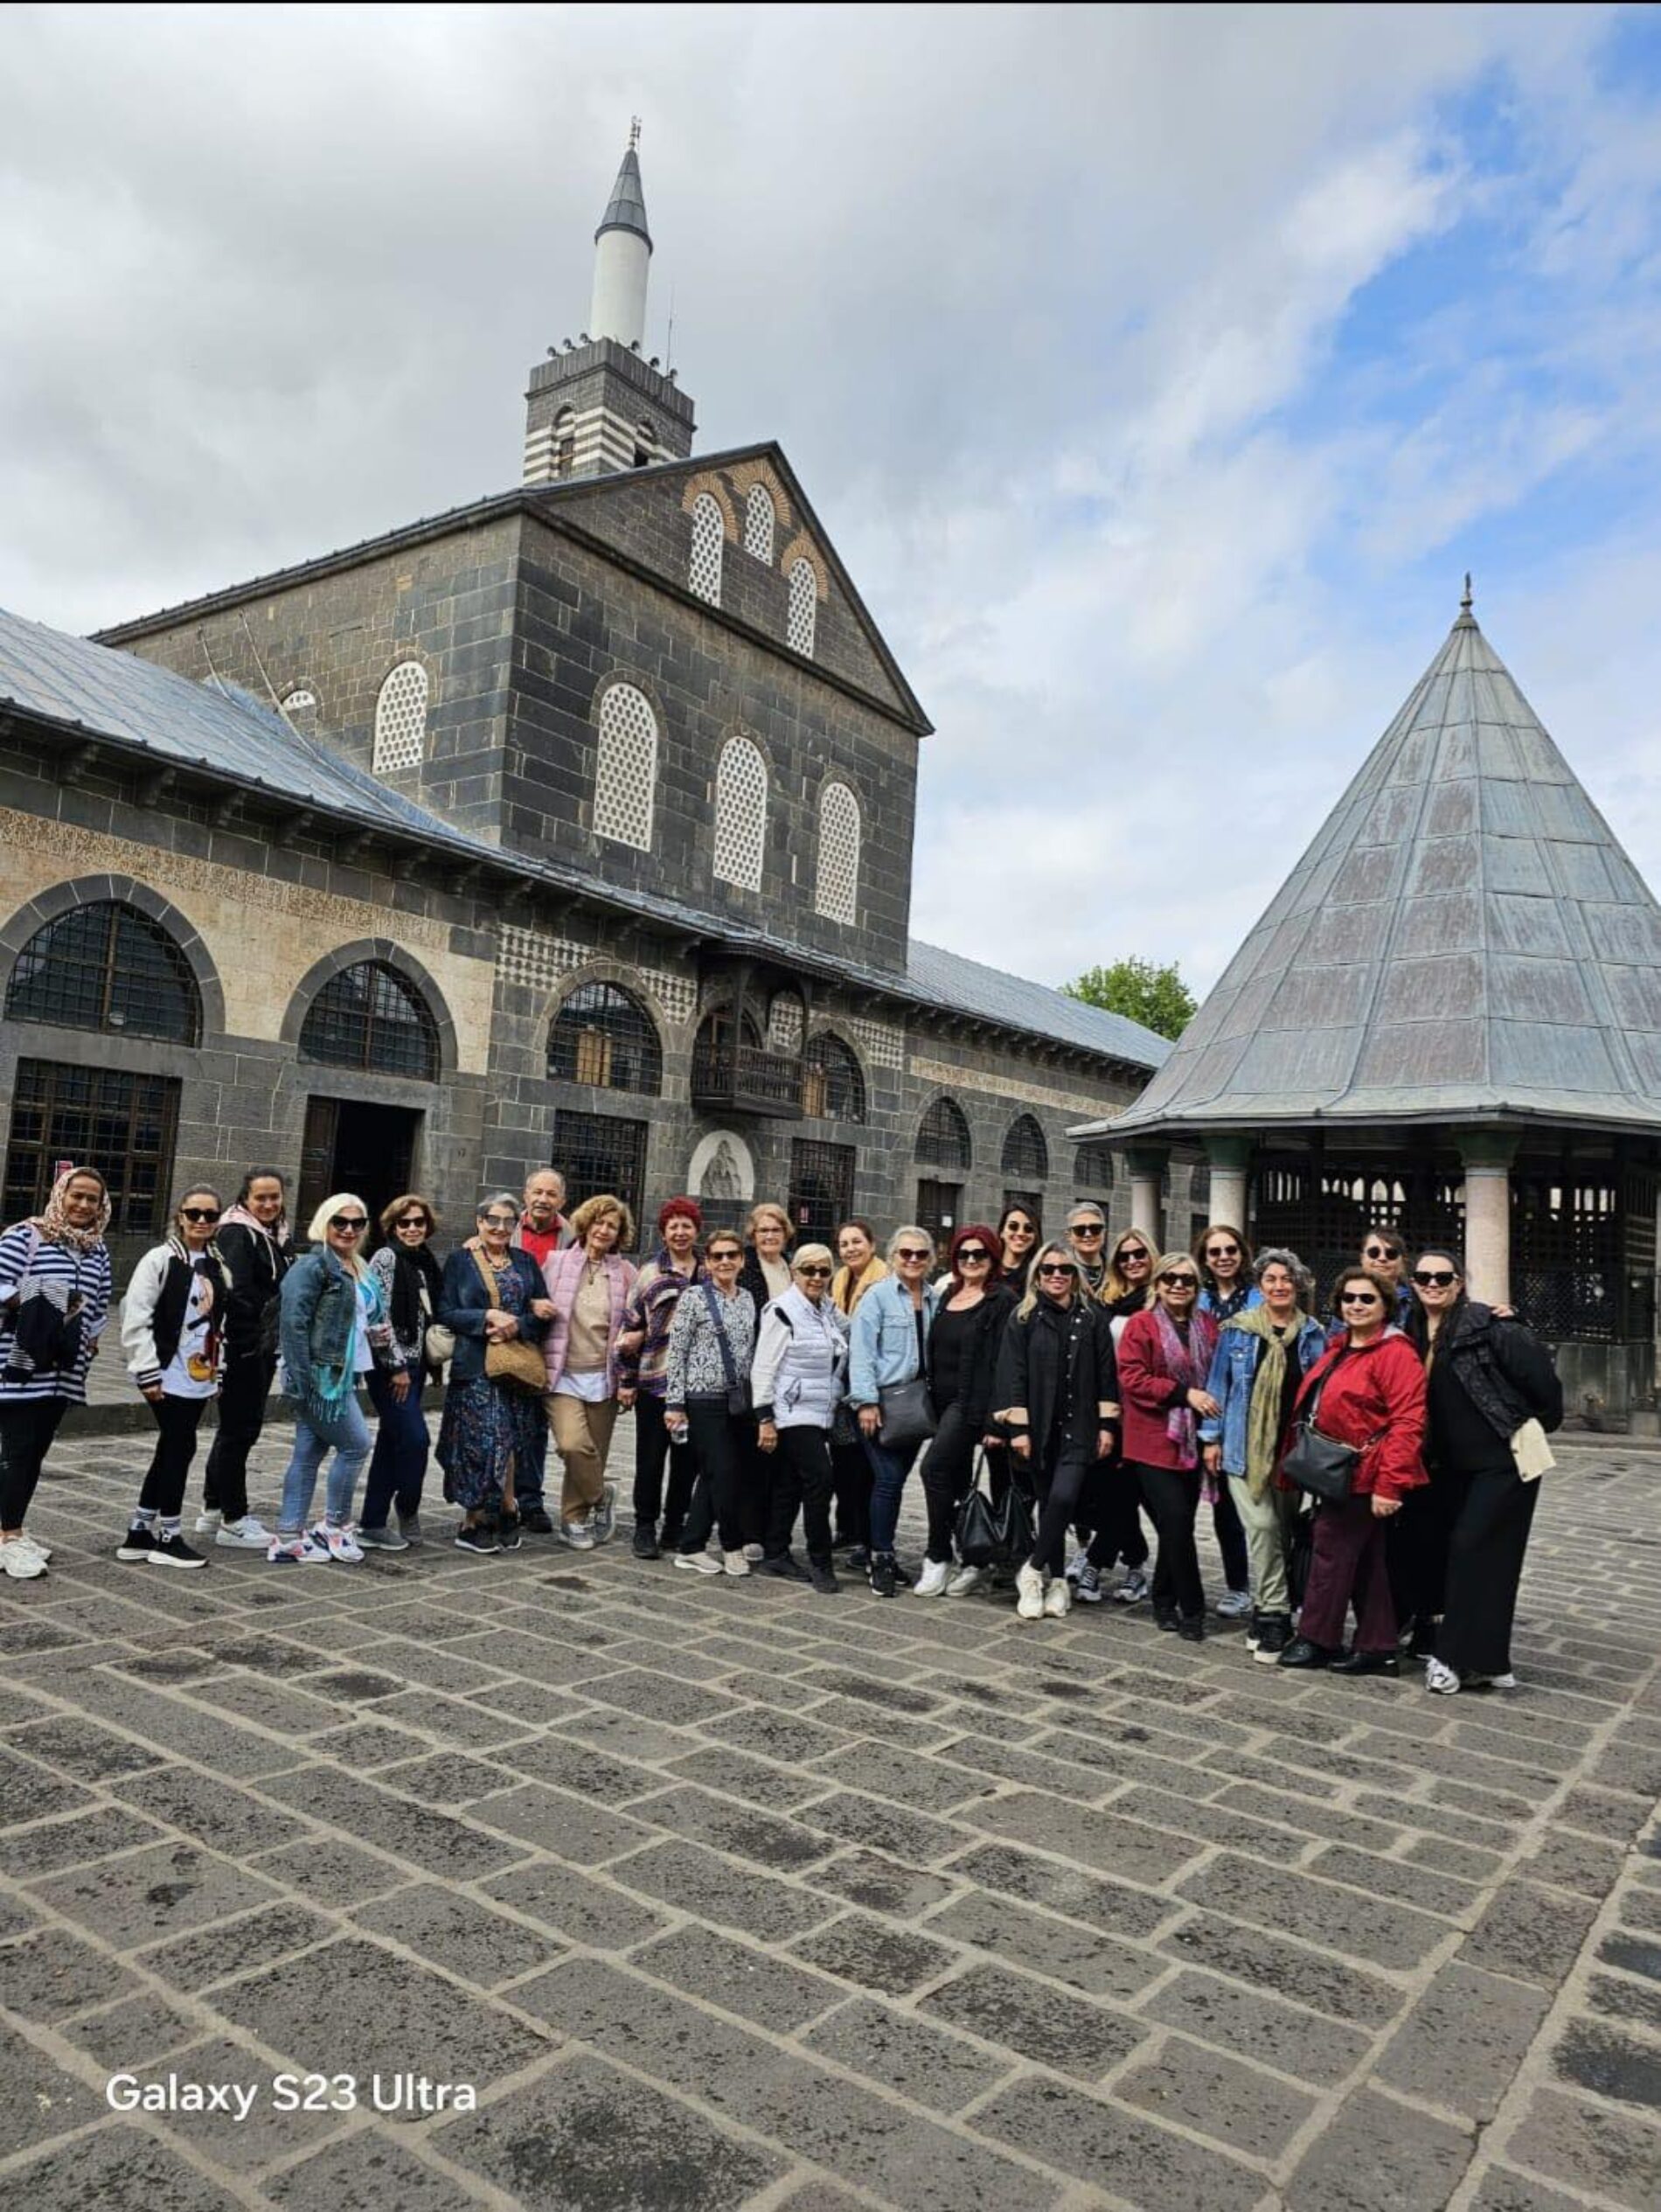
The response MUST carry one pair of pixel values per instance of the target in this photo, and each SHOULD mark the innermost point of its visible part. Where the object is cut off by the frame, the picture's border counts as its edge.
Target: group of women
(1377, 1463)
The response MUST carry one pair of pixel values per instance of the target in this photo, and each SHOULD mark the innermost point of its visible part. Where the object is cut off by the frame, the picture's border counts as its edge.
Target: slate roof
(626, 209)
(88, 691)
(1464, 941)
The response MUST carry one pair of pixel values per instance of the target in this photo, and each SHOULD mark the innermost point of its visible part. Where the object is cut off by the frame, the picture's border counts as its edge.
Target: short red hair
(976, 1232)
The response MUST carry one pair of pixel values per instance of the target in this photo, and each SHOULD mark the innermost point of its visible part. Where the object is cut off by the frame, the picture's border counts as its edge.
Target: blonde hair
(815, 1254)
(318, 1232)
(1063, 1250)
(1114, 1284)
(767, 1210)
(595, 1209)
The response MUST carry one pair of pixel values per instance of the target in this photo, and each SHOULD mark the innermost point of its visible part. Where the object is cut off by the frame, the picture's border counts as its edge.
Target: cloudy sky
(1156, 371)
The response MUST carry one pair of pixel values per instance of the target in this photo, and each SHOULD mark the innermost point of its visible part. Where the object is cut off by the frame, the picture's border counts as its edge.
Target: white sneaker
(933, 1580)
(21, 1560)
(966, 1579)
(738, 1563)
(1029, 1594)
(754, 1554)
(1439, 1679)
(208, 1524)
(33, 1544)
(339, 1543)
(296, 1551)
(698, 1563)
(247, 1535)
(1057, 1599)
(1134, 1587)
(1235, 1606)
(1078, 1560)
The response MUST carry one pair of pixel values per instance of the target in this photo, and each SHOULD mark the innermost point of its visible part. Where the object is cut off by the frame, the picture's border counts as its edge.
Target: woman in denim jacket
(890, 1345)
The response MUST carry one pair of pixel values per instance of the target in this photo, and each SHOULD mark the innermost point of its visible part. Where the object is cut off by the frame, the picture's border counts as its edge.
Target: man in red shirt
(543, 1228)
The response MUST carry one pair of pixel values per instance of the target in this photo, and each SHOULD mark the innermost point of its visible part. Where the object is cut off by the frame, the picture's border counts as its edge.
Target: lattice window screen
(805, 600)
(704, 575)
(758, 523)
(740, 814)
(626, 775)
(400, 719)
(838, 890)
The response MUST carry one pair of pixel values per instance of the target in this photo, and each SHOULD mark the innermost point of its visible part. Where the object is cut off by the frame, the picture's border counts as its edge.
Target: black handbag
(1321, 1465)
(908, 1416)
(979, 1536)
(738, 1405)
(1016, 1532)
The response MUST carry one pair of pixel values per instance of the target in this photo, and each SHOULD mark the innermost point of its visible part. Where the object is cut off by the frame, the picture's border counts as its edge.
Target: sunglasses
(1381, 1252)
(1060, 1267)
(907, 1253)
(815, 1274)
(1434, 1279)
(1086, 1228)
(1360, 1298)
(496, 1220)
(353, 1221)
(1222, 1251)
(971, 1255)
(1180, 1281)
(1132, 1252)
(722, 1257)
(199, 1212)
(1020, 1229)
(413, 1221)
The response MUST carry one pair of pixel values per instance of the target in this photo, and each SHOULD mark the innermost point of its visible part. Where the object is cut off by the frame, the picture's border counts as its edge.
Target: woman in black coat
(255, 1245)
(963, 1346)
(1486, 1377)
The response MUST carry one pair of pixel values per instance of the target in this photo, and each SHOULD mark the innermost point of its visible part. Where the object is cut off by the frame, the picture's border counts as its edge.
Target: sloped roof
(1464, 940)
(973, 989)
(626, 209)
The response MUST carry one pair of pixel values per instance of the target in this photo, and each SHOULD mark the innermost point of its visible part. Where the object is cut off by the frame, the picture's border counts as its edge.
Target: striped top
(59, 1273)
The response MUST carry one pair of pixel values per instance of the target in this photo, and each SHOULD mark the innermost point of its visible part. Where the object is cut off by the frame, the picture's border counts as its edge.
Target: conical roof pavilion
(1464, 941)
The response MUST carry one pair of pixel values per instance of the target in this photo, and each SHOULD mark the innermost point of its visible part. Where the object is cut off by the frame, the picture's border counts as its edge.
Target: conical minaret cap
(626, 209)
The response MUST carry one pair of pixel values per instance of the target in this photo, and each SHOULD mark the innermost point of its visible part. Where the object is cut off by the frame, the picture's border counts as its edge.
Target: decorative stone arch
(802, 548)
(945, 1108)
(634, 680)
(708, 480)
(741, 734)
(832, 1030)
(746, 473)
(740, 1161)
(391, 956)
(125, 890)
(612, 971)
(406, 653)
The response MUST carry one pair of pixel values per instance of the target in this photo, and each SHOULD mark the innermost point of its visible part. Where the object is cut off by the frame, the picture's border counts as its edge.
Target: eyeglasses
(1222, 1251)
(1058, 1267)
(199, 1212)
(499, 1220)
(726, 1254)
(1360, 1298)
(972, 1256)
(1382, 1252)
(815, 1274)
(1086, 1228)
(1180, 1281)
(908, 1252)
(1434, 1279)
(1129, 1252)
(353, 1221)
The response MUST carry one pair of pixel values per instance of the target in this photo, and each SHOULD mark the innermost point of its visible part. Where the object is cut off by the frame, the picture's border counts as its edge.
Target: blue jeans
(310, 1450)
(888, 1472)
(398, 1467)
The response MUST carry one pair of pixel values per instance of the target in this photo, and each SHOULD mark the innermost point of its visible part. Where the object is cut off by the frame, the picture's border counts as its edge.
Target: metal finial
(634, 132)
(1465, 603)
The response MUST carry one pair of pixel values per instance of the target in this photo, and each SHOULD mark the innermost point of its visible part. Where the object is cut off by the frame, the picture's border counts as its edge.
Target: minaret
(597, 403)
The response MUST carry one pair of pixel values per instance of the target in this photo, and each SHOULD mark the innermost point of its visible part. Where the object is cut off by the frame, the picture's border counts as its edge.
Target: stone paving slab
(723, 1896)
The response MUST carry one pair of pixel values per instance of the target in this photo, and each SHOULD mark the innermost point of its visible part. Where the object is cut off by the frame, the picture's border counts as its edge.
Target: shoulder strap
(725, 1349)
(489, 1280)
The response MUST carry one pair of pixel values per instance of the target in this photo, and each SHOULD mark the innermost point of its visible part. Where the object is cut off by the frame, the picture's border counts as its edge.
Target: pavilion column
(1231, 1164)
(1486, 1155)
(1146, 1166)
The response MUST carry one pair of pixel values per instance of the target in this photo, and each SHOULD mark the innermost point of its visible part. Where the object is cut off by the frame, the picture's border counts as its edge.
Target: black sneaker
(137, 1543)
(1191, 1630)
(481, 1539)
(821, 1575)
(173, 1551)
(509, 1532)
(786, 1568)
(1166, 1617)
(860, 1557)
(1303, 1653)
(535, 1522)
(882, 1574)
(646, 1541)
(1274, 1634)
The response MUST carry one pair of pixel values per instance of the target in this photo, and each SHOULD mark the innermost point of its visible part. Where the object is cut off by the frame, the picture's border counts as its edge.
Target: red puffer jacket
(1376, 1392)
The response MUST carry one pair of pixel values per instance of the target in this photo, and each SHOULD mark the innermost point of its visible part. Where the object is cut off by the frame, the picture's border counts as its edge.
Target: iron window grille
(106, 966)
(596, 1153)
(821, 1188)
(123, 1125)
(1026, 1152)
(368, 1018)
(1092, 1170)
(942, 1137)
(940, 1207)
(832, 1087)
(604, 1038)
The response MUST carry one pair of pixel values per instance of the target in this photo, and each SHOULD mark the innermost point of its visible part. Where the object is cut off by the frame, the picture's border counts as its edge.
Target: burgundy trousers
(1349, 1565)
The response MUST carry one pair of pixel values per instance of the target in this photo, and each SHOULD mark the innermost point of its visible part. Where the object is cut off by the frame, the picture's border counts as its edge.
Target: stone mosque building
(574, 825)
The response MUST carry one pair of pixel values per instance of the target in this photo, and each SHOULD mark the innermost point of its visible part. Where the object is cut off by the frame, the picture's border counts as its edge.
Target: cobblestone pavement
(723, 1895)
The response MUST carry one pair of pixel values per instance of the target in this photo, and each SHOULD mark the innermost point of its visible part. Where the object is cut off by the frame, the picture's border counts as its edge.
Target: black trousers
(243, 1396)
(1231, 1538)
(177, 1422)
(719, 1446)
(1118, 1521)
(800, 1483)
(652, 1449)
(851, 1473)
(1059, 1476)
(948, 1470)
(1172, 1496)
(27, 1427)
(1491, 1513)
(1417, 1546)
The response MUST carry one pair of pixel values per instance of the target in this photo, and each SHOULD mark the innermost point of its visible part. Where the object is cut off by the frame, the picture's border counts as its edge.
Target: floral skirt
(490, 1433)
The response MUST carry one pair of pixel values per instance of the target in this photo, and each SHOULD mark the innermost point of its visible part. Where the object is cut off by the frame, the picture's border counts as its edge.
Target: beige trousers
(1268, 1522)
(583, 1434)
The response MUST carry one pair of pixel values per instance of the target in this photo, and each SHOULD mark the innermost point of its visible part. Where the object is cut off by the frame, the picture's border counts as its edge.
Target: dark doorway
(939, 1205)
(350, 1146)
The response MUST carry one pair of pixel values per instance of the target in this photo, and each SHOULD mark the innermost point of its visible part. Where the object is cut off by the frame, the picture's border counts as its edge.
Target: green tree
(1156, 997)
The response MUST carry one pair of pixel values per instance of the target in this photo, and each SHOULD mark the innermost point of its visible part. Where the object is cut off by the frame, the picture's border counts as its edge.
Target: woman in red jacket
(1372, 1397)
(1164, 1357)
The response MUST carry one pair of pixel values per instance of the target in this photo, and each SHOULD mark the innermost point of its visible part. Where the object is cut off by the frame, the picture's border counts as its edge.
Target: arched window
(832, 1087)
(400, 719)
(758, 523)
(564, 442)
(740, 813)
(943, 1135)
(805, 600)
(704, 575)
(625, 772)
(368, 1017)
(603, 1037)
(645, 443)
(106, 966)
(1026, 1154)
(1093, 1171)
(837, 893)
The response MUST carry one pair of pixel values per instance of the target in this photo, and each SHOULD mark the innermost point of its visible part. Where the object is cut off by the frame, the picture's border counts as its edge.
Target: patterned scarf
(53, 1223)
(1188, 1365)
(1263, 1417)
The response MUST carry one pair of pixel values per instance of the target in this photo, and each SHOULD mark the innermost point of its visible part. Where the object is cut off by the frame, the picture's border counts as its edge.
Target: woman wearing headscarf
(495, 1428)
(1164, 1357)
(55, 1286)
(173, 1334)
(862, 1268)
(254, 1243)
(335, 1331)
(1262, 1355)
(412, 1283)
(1059, 1390)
